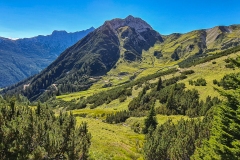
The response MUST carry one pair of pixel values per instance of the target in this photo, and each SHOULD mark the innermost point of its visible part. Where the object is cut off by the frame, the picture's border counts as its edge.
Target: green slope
(124, 131)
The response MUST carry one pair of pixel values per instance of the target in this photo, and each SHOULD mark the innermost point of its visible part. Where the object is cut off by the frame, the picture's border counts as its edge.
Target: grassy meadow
(119, 141)
(113, 141)
(209, 72)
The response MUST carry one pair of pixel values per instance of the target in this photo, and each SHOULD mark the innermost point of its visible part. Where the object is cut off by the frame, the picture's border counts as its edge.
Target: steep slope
(134, 35)
(94, 55)
(177, 46)
(22, 58)
(122, 46)
(223, 37)
(211, 40)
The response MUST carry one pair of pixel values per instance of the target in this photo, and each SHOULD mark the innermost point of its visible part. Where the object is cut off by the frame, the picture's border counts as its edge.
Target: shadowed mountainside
(22, 58)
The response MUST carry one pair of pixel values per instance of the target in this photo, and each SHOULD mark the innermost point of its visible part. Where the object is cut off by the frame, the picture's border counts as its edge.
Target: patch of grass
(118, 141)
(89, 92)
(113, 141)
(160, 119)
(209, 72)
(124, 66)
(113, 106)
(149, 64)
(113, 79)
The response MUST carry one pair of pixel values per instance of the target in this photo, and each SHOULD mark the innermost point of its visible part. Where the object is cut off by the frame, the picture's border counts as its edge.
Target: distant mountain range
(119, 43)
(25, 57)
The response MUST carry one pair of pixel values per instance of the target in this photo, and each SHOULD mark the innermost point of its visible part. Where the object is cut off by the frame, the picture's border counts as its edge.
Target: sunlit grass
(112, 107)
(119, 141)
(113, 141)
(209, 72)
(75, 95)
(171, 43)
(160, 119)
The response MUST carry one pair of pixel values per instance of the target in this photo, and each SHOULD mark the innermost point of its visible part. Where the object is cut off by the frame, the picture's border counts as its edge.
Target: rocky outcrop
(214, 33)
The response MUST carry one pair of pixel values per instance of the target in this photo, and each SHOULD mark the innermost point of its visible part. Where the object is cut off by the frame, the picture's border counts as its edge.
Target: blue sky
(28, 18)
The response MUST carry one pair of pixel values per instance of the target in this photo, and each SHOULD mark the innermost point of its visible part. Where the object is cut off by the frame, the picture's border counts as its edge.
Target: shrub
(198, 82)
(229, 65)
(227, 60)
(122, 98)
(215, 81)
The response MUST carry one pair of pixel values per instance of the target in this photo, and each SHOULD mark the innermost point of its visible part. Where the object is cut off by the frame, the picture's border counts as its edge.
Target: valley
(124, 91)
(95, 117)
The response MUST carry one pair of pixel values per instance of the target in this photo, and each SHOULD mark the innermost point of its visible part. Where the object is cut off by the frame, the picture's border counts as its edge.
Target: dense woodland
(36, 133)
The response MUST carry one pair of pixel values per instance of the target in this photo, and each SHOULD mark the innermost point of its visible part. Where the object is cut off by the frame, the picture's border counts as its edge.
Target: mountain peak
(137, 23)
(130, 17)
(61, 32)
(92, 28)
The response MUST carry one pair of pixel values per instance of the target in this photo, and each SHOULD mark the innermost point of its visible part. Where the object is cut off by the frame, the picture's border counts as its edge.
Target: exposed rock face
(214, 33)
(136, 34)
(223, 37)
(137, 23)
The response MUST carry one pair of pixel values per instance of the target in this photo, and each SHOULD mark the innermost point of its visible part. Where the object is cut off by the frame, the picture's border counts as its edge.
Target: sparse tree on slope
(150, 121)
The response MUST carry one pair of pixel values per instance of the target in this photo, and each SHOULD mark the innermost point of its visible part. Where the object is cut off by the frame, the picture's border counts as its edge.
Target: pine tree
(28, 136)
(171, 103)
(150, 121)
(159, 86)
(12, 105)
(38, 109)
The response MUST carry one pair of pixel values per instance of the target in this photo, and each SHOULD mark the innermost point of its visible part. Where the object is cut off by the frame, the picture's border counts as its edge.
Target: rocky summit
(136, 23)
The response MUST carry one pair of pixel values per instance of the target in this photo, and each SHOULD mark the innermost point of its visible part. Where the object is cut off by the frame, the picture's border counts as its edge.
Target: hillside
(121, 50)
(96, 116)
(117, 138)
(143, 95)
(22, 58)
(116, 116)
(94, 55)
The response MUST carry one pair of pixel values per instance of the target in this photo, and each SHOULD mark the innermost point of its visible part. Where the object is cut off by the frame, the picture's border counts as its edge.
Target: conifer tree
(25, 135)
(12, 105)
(159, 85)
(150, 121)
(38, 109)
